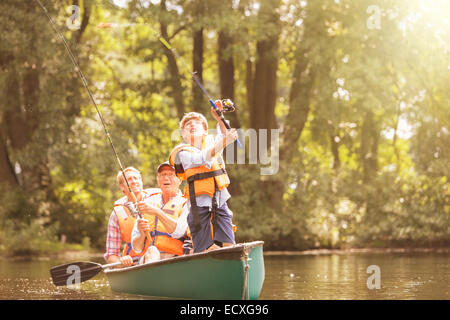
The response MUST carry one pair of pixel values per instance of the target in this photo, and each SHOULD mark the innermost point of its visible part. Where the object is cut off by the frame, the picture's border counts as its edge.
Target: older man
(123, 216)
(165, 217)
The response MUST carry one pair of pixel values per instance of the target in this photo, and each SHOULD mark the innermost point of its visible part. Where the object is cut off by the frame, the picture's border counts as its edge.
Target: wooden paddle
(77, 272)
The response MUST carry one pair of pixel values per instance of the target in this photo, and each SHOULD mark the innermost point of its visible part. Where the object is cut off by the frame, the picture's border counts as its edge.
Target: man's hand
(126, 261)
(146, 208)
(143, 226)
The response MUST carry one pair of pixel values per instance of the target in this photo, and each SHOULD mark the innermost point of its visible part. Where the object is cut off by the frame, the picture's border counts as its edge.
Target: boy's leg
(223, 226)
(201, 238)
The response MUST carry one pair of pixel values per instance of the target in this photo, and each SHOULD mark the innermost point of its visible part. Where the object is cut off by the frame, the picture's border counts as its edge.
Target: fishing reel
(228, 105)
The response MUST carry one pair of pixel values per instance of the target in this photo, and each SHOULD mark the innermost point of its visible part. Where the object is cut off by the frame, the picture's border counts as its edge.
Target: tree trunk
(226, 79)
(226, 74)
(7, 173)
(264, 86)
(249, 82)
(369, 147)
(299, 97)
(334, 145)
(175, 80)
(200, 103)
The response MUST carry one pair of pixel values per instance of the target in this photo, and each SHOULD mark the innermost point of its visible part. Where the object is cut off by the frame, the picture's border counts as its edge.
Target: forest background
(357, 91)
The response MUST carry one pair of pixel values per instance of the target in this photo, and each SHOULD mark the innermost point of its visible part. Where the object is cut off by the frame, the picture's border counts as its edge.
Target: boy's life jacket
(160, 238)
(201, 179)
(206, 180)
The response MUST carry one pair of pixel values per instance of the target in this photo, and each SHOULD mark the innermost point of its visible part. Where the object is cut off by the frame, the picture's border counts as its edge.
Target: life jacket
(200, 180)
(206, 180)
(161, 239)
(126, 221)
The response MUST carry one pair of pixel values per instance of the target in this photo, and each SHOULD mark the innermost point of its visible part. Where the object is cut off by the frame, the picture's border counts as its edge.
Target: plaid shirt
(113, 237)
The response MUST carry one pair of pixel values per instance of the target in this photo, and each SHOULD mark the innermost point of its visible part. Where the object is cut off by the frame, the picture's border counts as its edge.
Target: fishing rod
(83, 79)
(227, 104)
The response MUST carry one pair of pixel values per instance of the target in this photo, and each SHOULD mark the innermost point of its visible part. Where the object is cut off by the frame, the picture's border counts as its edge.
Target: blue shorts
(222, 225)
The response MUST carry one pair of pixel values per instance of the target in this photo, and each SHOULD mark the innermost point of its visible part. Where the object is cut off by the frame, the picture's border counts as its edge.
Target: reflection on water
(335, 276)
(331, 276)
(31, 280)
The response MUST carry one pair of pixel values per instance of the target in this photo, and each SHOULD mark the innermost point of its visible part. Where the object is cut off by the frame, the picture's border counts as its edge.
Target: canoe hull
(226, 274)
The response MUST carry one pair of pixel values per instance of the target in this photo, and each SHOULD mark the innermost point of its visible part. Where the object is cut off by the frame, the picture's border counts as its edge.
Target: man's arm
(181, 225)
(138, 234)
(169, 223)
(113, 242)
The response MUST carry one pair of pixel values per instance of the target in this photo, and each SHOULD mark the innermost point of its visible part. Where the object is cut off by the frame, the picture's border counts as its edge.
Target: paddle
(77, 272)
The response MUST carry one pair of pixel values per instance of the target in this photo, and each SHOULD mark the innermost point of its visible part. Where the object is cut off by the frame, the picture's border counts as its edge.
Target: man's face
(193, 131)
(168, 182)
(135, 182)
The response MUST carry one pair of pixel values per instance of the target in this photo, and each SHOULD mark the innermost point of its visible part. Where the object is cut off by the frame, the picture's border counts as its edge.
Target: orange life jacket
(203, 185)
(201, 179)
(160, 238)
(126, 221)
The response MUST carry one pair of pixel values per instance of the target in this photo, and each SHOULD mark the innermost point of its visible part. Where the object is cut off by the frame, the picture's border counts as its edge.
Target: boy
(201, 165)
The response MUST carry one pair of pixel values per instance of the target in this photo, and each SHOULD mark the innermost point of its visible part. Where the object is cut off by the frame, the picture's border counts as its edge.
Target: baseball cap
(166, 163)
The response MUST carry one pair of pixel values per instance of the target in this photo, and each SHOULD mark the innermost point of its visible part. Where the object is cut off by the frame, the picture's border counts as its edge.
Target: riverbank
(358, 250)
(71, 254)
(68, 255)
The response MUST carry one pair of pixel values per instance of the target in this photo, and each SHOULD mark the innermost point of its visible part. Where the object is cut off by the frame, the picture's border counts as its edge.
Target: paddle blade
(74, 273)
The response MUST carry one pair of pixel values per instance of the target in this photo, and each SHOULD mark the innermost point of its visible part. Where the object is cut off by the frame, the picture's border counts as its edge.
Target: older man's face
(168, 182)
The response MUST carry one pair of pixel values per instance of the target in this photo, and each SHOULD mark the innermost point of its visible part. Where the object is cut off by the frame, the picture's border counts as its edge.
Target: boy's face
(193, 131)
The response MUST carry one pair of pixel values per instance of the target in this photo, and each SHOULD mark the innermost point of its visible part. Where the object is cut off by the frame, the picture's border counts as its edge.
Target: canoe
(230, 273)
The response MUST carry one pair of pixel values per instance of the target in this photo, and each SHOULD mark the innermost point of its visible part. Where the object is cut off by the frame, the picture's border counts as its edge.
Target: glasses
(168, 175)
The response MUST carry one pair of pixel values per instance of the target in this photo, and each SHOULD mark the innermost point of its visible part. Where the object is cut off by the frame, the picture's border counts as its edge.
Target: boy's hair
(120, 178)
(193, 115)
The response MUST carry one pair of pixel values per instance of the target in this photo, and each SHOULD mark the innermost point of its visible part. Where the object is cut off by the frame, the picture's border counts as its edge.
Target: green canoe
(229, 273)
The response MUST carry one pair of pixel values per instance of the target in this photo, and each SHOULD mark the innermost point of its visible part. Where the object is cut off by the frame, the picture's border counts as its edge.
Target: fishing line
(228, 105)
(83, 79)
(228, 102)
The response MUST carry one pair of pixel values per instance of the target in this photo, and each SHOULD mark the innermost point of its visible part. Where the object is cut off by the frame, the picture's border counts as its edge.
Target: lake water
(288, 277)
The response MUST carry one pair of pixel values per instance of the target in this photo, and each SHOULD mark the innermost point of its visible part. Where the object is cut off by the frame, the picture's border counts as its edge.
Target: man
(201, 165)
(164, 217)
(123, 217)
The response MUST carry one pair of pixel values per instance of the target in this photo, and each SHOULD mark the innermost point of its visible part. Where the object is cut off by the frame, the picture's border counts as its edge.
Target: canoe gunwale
(235, 252)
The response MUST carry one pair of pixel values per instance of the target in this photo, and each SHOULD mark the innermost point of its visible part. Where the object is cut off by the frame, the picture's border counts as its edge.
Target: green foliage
(22, 239)
(370, 167)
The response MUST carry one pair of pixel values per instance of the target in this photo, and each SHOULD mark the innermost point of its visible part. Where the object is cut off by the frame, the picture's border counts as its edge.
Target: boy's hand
(230, 136)
(218, 103)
